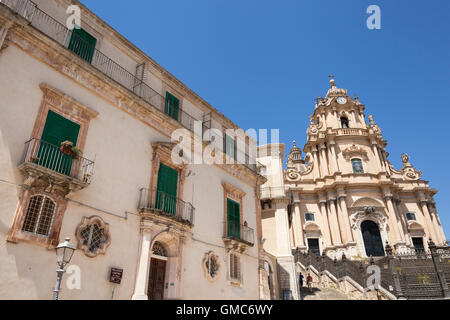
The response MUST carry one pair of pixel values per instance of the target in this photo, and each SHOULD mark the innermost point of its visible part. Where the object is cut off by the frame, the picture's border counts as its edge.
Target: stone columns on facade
(325, 220)
(377, 157)
(140, 287)
(334, 162)
(434, 215)
(344, 219)
(403, 226)
(423, 205)
(380, 157)
(334, 224)
(352, 115)
(316, 162)
(298, 227)
(323, 160)
(393, 223)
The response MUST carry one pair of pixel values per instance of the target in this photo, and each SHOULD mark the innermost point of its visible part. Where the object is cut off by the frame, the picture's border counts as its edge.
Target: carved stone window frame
(232, 280)
(15, 233)
(233, 193)
(355, 152)
(68, 107)
(89, 222)
(162, 153)
(208, 257)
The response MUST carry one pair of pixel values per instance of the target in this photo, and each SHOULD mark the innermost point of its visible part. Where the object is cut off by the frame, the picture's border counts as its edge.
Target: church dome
(295, 154)
(335, 92)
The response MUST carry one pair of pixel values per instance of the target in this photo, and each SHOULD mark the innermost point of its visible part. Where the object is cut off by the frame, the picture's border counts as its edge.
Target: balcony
(160, 204)
(80, 47)
(273, 192)
(237, 236)
(350, 132)
(71, 41)
(46, 162)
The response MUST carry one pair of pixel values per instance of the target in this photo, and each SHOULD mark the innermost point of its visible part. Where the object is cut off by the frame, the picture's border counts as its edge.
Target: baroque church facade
(344, 196)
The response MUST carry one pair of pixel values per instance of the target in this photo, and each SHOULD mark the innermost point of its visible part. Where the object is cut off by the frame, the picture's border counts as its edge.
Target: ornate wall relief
(211, 266)
(93, 236)
(355, 152)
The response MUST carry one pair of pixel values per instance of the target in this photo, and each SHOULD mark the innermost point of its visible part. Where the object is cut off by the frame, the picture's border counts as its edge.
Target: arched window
(345, 123)
(357, 166)
(39, 215)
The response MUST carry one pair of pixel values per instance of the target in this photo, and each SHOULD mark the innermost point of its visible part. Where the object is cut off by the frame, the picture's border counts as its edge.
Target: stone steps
(323, 294)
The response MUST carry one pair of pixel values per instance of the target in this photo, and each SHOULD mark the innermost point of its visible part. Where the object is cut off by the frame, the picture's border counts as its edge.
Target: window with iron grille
(93, 236)
(410, 216)
(357, 166)
(235, 268)
(39, 215)
(309, 216)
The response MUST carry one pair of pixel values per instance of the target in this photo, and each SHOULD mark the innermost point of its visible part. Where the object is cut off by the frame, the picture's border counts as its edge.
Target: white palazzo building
(86, 121)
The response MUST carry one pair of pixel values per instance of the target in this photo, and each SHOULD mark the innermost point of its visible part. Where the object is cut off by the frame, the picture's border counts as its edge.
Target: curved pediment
(414, 226)
(311, 226)
(366, 202)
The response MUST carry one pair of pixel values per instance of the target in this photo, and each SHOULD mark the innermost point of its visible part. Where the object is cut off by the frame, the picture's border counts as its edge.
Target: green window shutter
(172, 106)
(57, 129)
(166, 195)
(233, 219)
(82, 44)
(230, 146)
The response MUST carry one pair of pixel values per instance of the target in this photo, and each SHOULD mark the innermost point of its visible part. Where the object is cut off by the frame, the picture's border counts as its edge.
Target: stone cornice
(52, 54)
(139, 56)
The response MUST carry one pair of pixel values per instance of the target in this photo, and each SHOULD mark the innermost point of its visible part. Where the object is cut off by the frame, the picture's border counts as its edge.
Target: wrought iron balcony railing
(85, 50)
(242, 233)
(48, 157)
(73, 42)
(159, 202)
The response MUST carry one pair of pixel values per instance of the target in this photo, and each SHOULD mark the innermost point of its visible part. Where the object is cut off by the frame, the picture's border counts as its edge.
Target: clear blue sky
(262, 63)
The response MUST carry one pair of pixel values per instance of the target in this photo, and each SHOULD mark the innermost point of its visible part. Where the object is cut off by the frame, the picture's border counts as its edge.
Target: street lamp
(64, 252)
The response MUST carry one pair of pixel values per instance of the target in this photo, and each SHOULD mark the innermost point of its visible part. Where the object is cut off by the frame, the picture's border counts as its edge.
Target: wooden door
(156, 279)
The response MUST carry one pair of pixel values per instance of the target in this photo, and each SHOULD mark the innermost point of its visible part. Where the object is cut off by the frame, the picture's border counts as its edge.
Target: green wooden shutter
(166, 196)
(172, 106)
(57, 129)
(230, 146)
(82, 44)
(233, 219)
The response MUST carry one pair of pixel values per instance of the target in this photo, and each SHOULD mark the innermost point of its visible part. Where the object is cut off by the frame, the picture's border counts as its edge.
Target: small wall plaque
(116, 275)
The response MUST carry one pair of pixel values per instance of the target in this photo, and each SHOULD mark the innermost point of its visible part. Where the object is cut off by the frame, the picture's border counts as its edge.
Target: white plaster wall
(121, 148)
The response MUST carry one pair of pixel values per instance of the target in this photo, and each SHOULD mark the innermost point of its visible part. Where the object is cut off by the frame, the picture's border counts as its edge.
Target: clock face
(341, 100)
